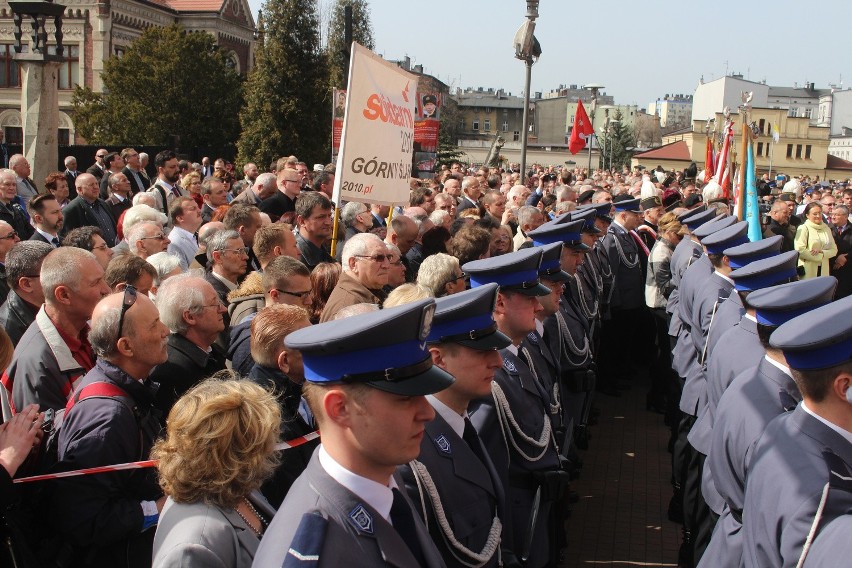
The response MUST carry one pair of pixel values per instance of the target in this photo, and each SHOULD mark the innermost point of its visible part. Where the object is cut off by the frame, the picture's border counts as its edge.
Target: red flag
(708, 161)
(582, 129)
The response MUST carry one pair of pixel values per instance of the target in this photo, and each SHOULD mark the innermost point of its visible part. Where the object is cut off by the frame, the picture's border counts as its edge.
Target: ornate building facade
(95, 30)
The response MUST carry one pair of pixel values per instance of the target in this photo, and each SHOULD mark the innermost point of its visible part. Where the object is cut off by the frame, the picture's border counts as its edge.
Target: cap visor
(560, 276)
(496, 340)
(431, 381)
(537, 290)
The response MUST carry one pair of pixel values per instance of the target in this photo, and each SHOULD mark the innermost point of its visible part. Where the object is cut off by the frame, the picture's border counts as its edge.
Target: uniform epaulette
(307, 543)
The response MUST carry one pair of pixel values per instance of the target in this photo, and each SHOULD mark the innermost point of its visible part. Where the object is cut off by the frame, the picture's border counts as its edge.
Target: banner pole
(334, 230)
(390, 215)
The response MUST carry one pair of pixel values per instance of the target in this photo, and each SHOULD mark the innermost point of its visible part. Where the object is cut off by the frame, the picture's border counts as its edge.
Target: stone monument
(39, 96)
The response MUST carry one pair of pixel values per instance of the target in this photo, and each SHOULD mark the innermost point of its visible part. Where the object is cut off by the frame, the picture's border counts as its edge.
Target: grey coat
(785, 481)
(355, 536)
(197, 535)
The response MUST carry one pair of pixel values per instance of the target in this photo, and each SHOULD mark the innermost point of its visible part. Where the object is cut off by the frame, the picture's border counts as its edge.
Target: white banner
(374, 163)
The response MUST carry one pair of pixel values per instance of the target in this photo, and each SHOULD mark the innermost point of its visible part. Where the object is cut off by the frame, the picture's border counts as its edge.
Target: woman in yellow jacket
(815, 243)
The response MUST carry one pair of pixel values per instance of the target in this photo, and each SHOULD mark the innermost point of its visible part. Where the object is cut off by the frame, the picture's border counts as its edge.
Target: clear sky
(639, 50)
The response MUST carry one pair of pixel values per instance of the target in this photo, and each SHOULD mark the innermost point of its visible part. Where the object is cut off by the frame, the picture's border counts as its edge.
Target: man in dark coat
(87, 209)
(841, 268)
(190, 307)
(23, 265)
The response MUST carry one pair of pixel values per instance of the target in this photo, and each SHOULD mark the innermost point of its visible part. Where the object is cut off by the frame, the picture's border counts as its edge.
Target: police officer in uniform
(453, 483)
(832, 545)
(787, 474)
(366, 377)
(752, 400)
(515, 422)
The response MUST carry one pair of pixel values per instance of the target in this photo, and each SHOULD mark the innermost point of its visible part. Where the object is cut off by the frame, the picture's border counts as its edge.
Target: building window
(461, 125)
(808, 112)
(760, 148)
(505, 127)
(487, 110)
(762, 126)
(487, 125)
(798, 151)
(10, 73)
(793, 112)
(64, 138)
(69, 70)
(119, 51)
(789, 150)
(808, 152)
(516, 136)
(505, 111)
(476, 125)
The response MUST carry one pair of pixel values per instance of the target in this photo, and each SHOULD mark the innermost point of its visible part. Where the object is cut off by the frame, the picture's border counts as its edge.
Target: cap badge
(426, 328)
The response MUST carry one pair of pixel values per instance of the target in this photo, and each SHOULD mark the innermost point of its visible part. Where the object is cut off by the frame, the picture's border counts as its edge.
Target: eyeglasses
(380, 258)
(126, 303)
(215, 305)
(11, 236)
(299, 295)
(459, 277)
(397, 262)
(241, 250)
(159, 237)
(101, 156)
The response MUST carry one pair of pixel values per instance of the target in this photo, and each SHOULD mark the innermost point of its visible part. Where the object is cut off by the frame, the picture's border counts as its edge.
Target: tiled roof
(193, 5)
(835, 163)
(674, 151)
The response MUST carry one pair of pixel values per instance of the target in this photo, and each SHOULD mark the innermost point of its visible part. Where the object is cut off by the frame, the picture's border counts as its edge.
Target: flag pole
(743, 155)
(334, 230)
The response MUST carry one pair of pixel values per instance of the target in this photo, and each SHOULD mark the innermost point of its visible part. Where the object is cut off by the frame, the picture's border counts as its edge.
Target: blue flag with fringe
(751, 210)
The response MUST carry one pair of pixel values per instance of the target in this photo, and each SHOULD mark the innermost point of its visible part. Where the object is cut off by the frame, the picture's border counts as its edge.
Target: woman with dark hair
(323, 280)
(435, 240)
(57, 184)
(218, 450)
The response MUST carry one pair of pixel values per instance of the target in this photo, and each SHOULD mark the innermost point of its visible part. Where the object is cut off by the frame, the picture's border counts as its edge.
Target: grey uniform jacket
(785, 481)
(469, 490)
(197, 535)
(737, 350)
(683, 355)
(683, 256)
(727, 316)
(355, 535)
(529, 404)
(707, 299)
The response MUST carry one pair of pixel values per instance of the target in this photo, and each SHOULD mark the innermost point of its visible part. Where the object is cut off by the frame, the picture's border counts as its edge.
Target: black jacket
(289, 396)
(14, 215)
(78, 214)
(187, 366)
(16, 316)
(239, 347)
(787, 232)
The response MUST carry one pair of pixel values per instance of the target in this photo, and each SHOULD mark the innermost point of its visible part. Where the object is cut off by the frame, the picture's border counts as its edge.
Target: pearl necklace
(260, 518)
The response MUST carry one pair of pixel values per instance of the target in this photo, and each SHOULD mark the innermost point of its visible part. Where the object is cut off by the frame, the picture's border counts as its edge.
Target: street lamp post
(594, 88)
(528, 50)
(605, 130)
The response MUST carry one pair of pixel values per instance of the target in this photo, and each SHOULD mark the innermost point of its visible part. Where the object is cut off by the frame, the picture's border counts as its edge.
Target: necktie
(473, 440)
(403, 521)
(55, 242)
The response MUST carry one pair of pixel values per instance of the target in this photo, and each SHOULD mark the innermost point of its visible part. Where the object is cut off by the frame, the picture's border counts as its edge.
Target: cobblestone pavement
(624, 490)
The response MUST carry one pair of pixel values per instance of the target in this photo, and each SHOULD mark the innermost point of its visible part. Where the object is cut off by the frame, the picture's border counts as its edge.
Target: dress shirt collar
(47, 236)
(724, 277)
(453, 418)
(223, 280)
(846, 434)
(376, 495)
(783, 368)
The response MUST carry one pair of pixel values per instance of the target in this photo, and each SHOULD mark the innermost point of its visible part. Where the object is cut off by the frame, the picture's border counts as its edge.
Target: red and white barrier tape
(148, 463)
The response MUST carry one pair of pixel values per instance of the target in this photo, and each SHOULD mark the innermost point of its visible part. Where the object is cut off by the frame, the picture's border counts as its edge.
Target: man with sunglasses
(366, 262)
(97, 169)
(108, 518)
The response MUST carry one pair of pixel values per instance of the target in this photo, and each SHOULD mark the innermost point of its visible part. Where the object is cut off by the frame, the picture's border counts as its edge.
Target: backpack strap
(101, 389)
(162, 192)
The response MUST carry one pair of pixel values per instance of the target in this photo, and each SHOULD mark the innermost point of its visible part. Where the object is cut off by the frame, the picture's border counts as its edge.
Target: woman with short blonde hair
(219, 449)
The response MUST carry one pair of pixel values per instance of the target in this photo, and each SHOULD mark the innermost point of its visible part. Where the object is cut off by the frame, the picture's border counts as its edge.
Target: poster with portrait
(426, 130)
(338, 112)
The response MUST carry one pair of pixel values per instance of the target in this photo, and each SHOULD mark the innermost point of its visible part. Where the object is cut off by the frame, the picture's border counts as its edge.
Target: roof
(674, 151)
(835, 163)
(797, 92)
(193, 5)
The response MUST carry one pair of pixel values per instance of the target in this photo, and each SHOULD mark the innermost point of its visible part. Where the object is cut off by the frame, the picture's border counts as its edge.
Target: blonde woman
(814, 242)
(218, 451)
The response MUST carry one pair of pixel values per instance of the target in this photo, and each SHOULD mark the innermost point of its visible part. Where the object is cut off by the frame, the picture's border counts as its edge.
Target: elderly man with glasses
(366, 262)
(8, 238)
(146, 239)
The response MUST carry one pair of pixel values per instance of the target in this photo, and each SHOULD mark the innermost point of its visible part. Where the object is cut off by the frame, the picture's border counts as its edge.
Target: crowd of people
(449, 350)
